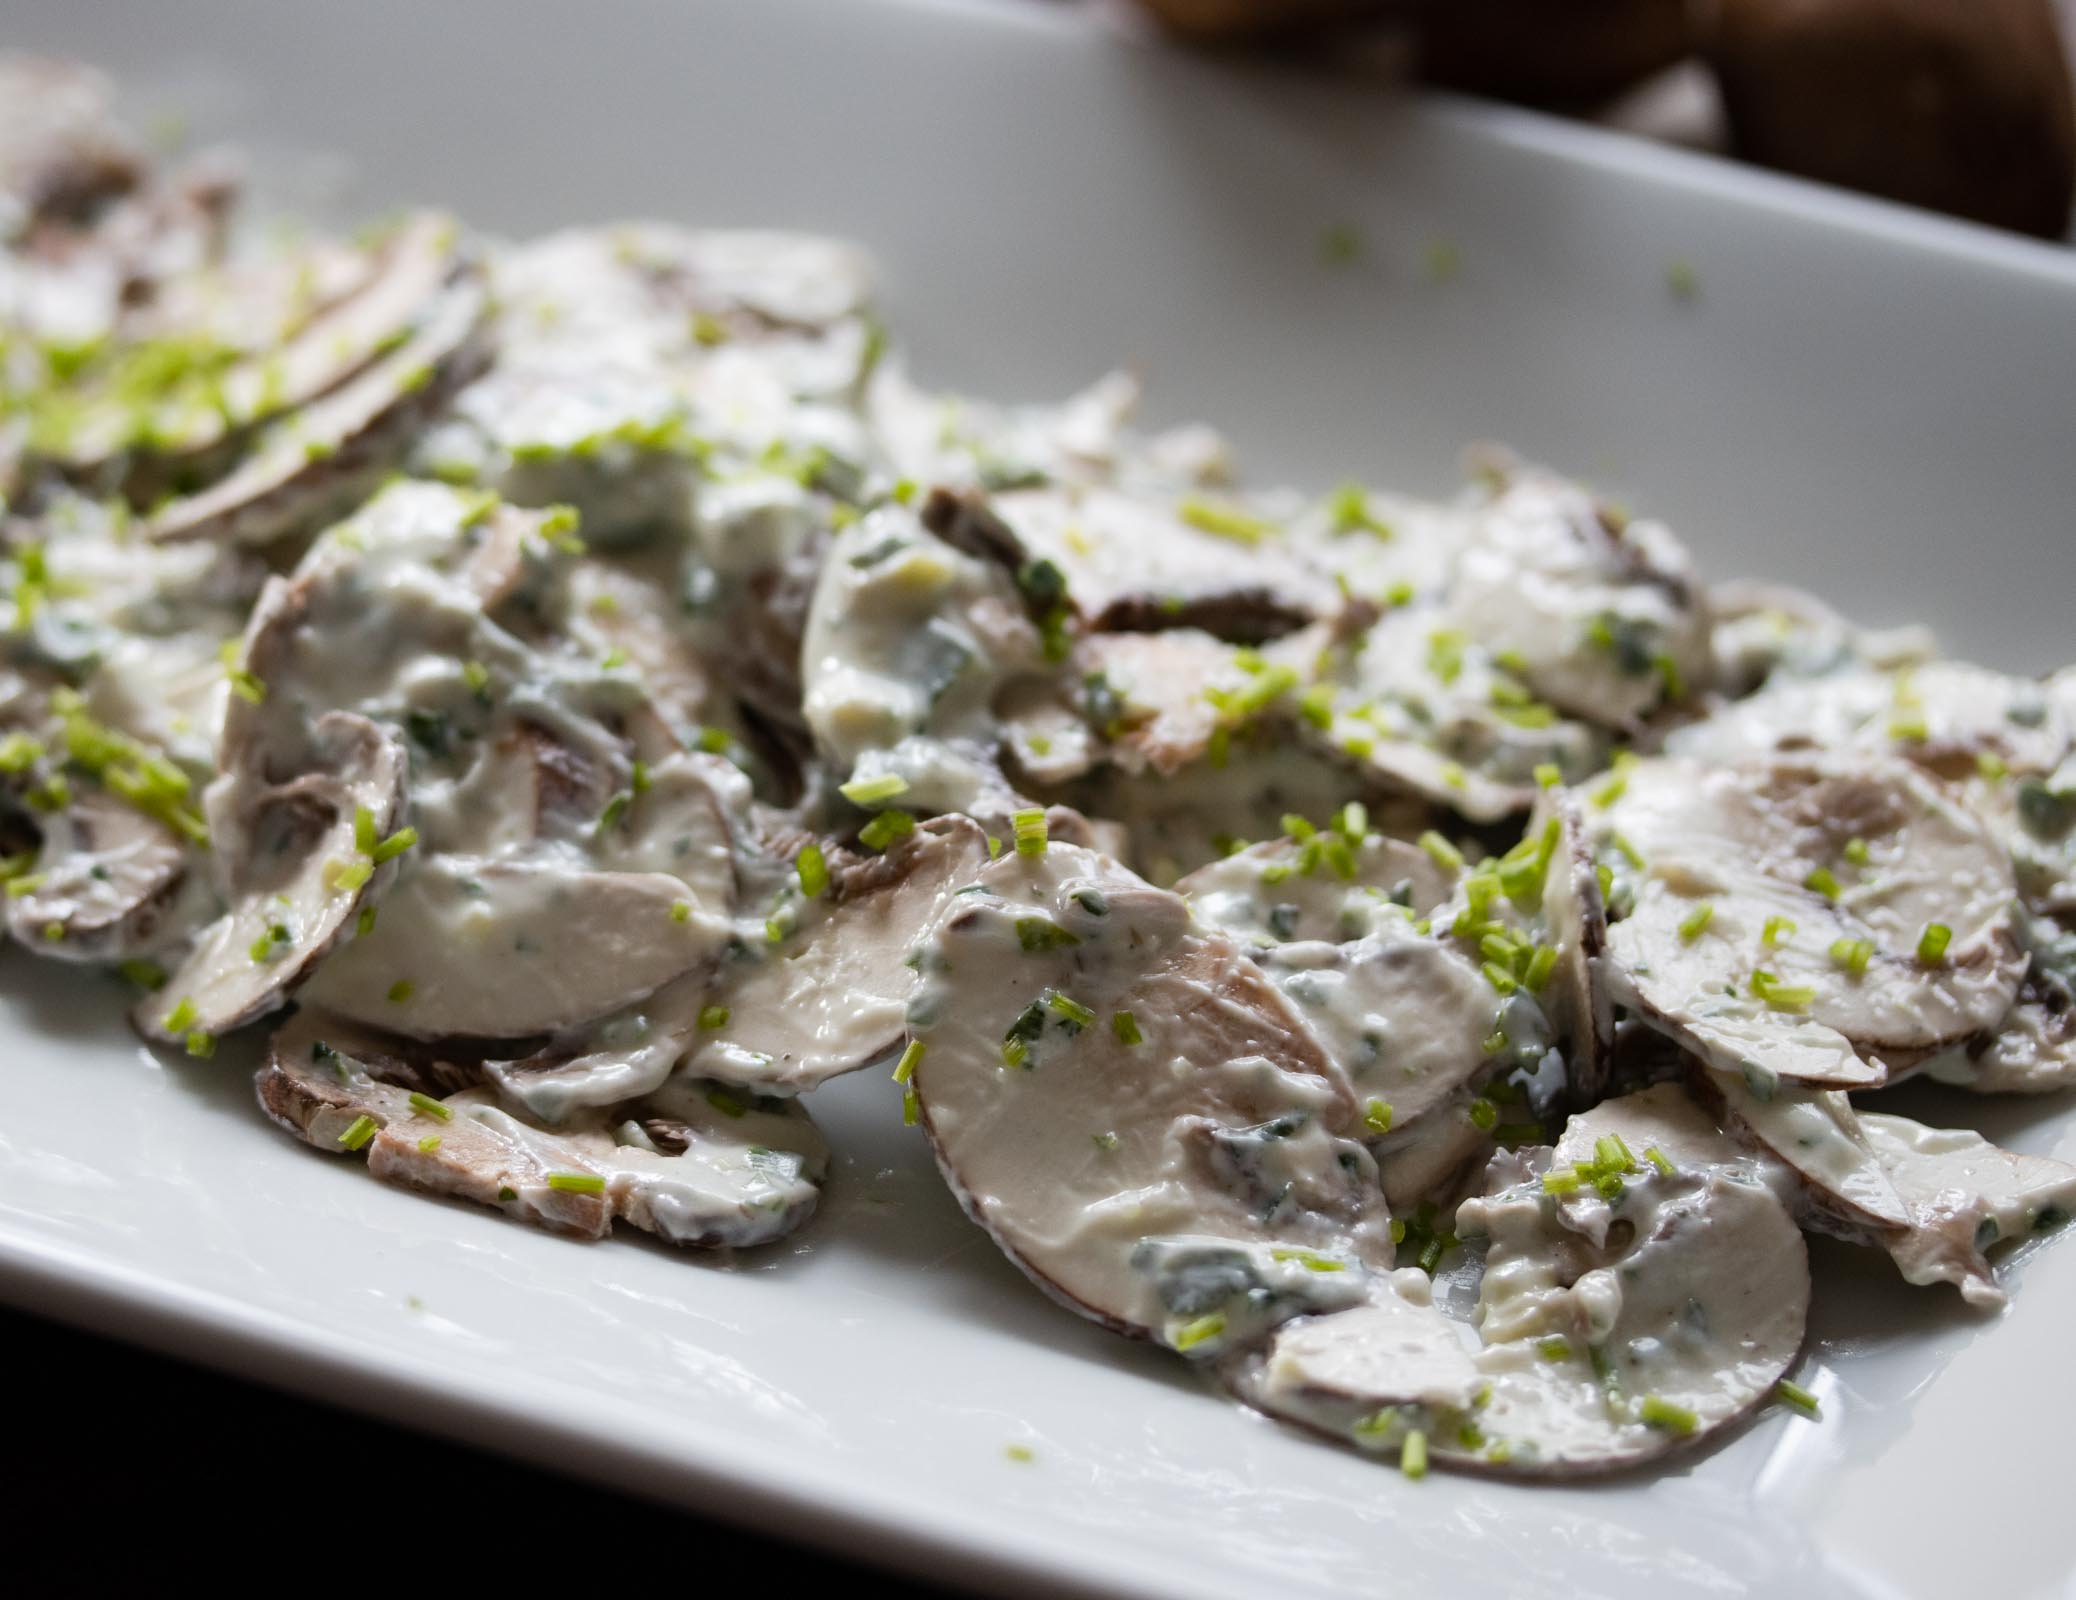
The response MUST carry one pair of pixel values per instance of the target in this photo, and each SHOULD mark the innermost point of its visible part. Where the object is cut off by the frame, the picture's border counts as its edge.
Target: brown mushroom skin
(1963, 106)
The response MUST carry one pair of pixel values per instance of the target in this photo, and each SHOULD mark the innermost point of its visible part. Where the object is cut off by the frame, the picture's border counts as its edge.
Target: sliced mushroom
(1614, 1329)
(416, 263)
(1600, 612)
(1131, 563)
(280, 846)
(2033, 1050)
(1659, 1325)
(1965, 1195)
(836, 995)
(330, 454)
(692, 1164)
(1421, 704)
(109, 883)
(1779, 910)
(504, 949)
(1945, 715)
(1842, 1186)
(909, 643)
(1370, 1375)
(1146, 1172)
(1575, 925)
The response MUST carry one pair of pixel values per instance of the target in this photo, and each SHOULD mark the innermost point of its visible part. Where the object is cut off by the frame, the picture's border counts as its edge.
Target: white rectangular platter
(1878, 405)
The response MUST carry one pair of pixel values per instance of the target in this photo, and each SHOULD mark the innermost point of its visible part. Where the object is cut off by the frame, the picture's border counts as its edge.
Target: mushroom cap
(1148, 1185)
(1756, 843)
(691, 1164)
(279, 845)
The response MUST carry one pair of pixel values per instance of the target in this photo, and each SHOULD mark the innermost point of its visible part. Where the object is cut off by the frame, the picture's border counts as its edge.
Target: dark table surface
(129, 1472)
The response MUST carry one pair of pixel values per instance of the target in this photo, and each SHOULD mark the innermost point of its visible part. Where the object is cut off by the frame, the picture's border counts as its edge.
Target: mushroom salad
(1426, 965)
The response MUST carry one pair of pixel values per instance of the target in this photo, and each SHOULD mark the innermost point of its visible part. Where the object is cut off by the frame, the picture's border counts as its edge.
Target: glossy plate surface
(1875, 404)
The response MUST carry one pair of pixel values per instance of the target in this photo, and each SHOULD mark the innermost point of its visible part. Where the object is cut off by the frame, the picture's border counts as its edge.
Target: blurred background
(1960, 106)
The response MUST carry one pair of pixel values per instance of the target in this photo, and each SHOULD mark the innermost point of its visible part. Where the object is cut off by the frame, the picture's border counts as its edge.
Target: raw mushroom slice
(109, 883)
(1575, 925)
(1371, 1375)
(778, 1019)
(1611, 1330)
(1419, 703)
(2033, 1050)
(1842, 1187)
(692, 1164)
(329, 455)
(1133, 1113)
(1137, 564)
(1760, 628)
(908, 644)
(1600, 613)
(416, 264)
(1965, 1194)
(1287, 889)
(1935, 1198)
(281, 846)
(467, 948)
(1650, 1330)
(1779, 912)
(1945, 715)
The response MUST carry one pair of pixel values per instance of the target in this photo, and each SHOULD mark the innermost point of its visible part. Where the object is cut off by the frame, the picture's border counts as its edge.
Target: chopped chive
(1484, 1114)
(911, 1058)
(727, 1104)
(1990, 765)
(1126, 1027)
(426, 1105)
(870, 791)
(1035, 934)
(147, 975)
(1564, 1180)
(1029, 827)
(1932, 943)
(1376, 1116)
(364, 924)
(812, 869)
(911, 1108)
(576, 1182)
(1540, 966)
(1856, 852)
(1444, 854)
(1695, 922)
(199, 1042)
(1777, 929)
(1105, 1142)
(1069, 1008)
(712, 1017)
(1657, 1412)
(400, 991)
(1192, 1334)
(885, 828)
(1794, 1395)
(180, 1018)
(1225, 521)
(428, 1144)
(1852, 954)
(358, 1132)
(1547, 775)
(364, 835)
(1629, 851)
(1660, 1160)
(347, 875)
(1778, 995)
(1824, 882)
(1554, 1348)
(1412, 1455)
(681, 911)
(395, 845)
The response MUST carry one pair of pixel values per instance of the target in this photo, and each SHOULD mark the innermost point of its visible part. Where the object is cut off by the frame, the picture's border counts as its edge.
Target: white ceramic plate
(1871, 402)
